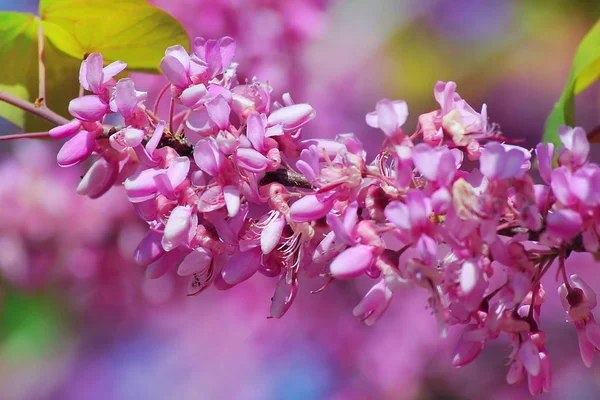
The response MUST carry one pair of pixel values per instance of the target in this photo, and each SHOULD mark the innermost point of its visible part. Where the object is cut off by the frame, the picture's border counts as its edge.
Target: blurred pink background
(80, 320)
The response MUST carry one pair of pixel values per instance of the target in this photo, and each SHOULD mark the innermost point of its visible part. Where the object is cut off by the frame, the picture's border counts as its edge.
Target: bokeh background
(80, 321)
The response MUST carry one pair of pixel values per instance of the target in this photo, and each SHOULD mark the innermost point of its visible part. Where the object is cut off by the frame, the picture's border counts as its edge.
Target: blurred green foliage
(585, 71)
(32, 324)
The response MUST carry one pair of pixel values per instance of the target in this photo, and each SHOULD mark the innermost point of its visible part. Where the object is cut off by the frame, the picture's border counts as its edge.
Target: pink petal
(212, 56)
(218, 111)
(91, 75)
(141, 184)
(530, 357)
(561, 185)
(466, 349)
(397, 213)
(515, 373)
(180, 54)
(200, 123)
(179, 227)
(232, 200)
(255, 131)
(575, 140)
(211, 200)
(76, 149)
(426, 160)
(174, 71)
(178, 171)
(419, 208)
(98, 179)
(194, 96)
(309, 208)
(166, 263)
(590, 294)
(242, 266)
(251, 160)
(227, 50)
(149, 249)
(565, 223)
(208, 157)
(284, 295)
(197, 261)
(66, 130)
(88, 108)
(269, 237)
(112, 70)
(586, 348)
(327, 249)
(133, 137)
(387, 120)
(374, 303)
(164, 187)
(292, 117)
(545, 156)
(126, 98)
(337, 226)
(156, 136)
(353, 262)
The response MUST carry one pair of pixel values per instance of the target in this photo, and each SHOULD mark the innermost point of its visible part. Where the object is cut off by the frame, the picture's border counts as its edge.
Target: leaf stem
(41, 112)
(41, 100)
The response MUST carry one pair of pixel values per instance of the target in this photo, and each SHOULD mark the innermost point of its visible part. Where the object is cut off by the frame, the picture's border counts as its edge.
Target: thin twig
(41, 100)
(41, 112)
(33, 135)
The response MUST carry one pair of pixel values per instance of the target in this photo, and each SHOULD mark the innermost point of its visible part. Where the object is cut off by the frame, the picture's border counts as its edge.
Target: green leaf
(128, 30)
(584, 72)
(18, 61)
(19, 71)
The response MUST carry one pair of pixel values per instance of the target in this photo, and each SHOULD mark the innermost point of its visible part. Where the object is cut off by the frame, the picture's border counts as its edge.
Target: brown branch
(576, 244)
(41, 112)
(286, 178)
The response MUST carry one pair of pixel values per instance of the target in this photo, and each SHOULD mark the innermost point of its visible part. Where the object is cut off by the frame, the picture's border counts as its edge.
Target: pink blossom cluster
(228, 188)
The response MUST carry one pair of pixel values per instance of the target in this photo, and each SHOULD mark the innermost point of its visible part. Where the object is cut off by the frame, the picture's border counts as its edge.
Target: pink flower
(353, 262)
(215, 55)
(373, 305)
(532, 358)
(578, 302)
(96, 78)
(179, 68)
(389, 116)
(436, 164)
(576, 146)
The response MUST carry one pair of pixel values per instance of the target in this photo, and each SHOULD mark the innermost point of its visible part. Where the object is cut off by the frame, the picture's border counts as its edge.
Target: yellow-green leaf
(584, 72)
(19, 71)
(128, 30)
(18, 61)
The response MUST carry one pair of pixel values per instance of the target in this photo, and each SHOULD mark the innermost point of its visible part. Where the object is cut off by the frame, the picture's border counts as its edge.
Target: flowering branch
(228, 188)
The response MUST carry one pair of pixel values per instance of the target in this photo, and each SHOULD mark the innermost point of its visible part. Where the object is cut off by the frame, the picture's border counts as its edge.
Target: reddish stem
(41, 68)
(41, 112)
(33, 135)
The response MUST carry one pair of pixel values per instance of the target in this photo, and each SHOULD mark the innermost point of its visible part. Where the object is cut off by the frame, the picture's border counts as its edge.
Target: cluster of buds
(229, 188)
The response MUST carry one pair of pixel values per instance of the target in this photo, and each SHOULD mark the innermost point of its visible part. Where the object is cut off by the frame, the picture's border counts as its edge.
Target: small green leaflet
(584, 72)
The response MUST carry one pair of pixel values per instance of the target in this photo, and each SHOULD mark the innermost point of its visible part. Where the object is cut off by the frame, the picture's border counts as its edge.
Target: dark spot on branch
(286, 178)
